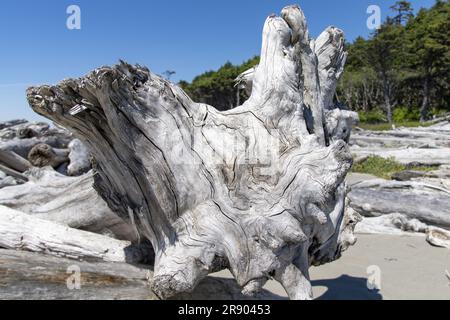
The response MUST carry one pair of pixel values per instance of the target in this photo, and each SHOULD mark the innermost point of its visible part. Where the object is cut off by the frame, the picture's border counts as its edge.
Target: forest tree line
(400, 73)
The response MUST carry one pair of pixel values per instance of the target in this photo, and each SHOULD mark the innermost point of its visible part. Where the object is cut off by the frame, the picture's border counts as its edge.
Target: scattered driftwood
(11, 123)
(442, 173)
(408, 156)
(13, 173)
(14, 161)
(25, 232)
(427, 203)
(33, 276)
(399, 224)
(420, 137)
(24, 145)
(257, 189)
(422, 145)
(20, 137)
(22, 129)
(69, 201)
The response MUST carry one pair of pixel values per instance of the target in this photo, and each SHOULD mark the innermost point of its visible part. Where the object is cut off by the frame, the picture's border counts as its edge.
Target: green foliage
(400, 74)
(385, 168)
(402, 69)
(405, 114)
(403, 10)
(372, 116)
(217, 88)
(383, 126)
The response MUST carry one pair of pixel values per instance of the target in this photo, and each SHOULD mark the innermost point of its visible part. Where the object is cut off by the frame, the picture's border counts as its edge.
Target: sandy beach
(410, 269)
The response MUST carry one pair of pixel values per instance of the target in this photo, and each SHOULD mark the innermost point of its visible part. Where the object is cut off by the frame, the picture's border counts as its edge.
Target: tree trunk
(258, 189)
(425, 100)
(387, 100)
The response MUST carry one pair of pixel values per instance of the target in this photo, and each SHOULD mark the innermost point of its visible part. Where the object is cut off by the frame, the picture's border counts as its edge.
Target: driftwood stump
(257, 189)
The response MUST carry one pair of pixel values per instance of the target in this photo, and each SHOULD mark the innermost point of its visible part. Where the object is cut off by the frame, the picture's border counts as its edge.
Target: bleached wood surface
(422, 145)
(21, 231)
(70, 201)
(257, 189)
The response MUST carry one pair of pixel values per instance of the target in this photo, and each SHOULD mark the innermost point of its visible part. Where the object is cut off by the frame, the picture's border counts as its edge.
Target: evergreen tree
(404, 11)
(428, 51)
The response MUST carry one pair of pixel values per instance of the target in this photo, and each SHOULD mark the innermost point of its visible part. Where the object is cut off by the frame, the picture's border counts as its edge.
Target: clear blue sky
(188, 36)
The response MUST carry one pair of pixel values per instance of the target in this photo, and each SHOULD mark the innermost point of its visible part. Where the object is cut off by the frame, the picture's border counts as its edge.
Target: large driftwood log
(24, 232)
(400, 224)
(257, 189)
(14, 161)
(34, 276)
(428, 146)
(71, 201)
(427, 203)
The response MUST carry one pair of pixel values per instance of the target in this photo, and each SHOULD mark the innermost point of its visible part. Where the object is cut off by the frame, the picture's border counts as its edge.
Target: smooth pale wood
(14, 161)
(13, 173)
(22, 231)
(400, 224)
(258, 189)
(427, 203)
(422, 145)
(70, 201)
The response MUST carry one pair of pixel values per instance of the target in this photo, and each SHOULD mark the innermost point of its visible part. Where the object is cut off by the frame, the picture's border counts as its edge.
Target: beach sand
(409, 269)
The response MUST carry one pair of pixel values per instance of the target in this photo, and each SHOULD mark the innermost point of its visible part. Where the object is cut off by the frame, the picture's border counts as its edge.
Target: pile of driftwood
(428, 145)
(413, 201)
(25, 145)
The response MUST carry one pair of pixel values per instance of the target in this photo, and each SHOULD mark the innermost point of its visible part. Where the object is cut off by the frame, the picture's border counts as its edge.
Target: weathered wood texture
(422, 145)
(257, 189)
(25, 145)
(33, 276)
(427, 203)
(70, 201)
(22, 231)
(400, 224)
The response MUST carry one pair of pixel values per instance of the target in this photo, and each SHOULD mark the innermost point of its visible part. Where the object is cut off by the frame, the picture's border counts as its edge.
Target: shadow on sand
(346, 287)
